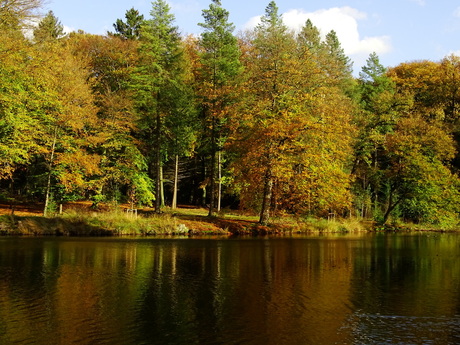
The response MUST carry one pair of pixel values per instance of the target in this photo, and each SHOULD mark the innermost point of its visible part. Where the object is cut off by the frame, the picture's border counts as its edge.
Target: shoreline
(119, 225)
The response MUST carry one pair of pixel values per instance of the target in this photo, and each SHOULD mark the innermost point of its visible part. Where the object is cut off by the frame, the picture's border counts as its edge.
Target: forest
(269, 121)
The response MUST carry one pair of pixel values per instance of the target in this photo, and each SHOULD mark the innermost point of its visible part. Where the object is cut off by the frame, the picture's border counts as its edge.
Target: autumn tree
(72, 126)
(22, 105)
(269, 75)
(19, 13)
(25, 97)
(417, 175)
(422, 148)
(449, 90)
(47, 116)
(296, 130)
(112, 60)
(218, 78)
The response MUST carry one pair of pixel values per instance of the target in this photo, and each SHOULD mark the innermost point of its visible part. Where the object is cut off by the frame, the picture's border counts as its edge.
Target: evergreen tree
(218, 75)
(337, 64)
(309, 36)
(158, 83)
(49, 28)
(130, 29)
(376, 119)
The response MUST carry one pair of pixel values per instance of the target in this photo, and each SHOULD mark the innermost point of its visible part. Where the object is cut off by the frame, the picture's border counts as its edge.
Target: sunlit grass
(183, 221)
(122, 223)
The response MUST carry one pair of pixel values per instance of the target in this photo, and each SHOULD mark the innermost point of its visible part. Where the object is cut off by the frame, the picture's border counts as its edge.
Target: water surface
(353, 289)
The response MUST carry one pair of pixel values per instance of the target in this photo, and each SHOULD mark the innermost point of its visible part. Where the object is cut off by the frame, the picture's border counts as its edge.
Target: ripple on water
(395, 329)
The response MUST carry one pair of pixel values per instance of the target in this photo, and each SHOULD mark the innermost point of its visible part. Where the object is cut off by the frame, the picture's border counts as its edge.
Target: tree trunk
(158, 164)
(213, 170)
(390, 208)
(176, 175)
(267, 197)
(50, 169)
(162, 188)
(219, 172)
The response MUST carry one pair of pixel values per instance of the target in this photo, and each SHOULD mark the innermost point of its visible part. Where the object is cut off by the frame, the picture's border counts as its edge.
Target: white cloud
(68, 29)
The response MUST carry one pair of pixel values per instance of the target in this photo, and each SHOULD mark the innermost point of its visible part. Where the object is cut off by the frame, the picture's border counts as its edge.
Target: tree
(26, 101)
(338, 66)
(112, 60)
(21, 109)
(380, 110)
(418, 173)
(157, 82)
(49, 28)
(271, 49)
(421, 149)
(310, 37)
(71, 127)
(401, 165)
(18, 14)
(218, 78)
(293, 139)
(131, 29)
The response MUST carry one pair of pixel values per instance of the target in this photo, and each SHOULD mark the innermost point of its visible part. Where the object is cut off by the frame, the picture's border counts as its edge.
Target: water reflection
(369, 289)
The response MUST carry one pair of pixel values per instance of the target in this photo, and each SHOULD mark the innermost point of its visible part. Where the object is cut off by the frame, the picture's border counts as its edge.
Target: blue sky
(397, 30)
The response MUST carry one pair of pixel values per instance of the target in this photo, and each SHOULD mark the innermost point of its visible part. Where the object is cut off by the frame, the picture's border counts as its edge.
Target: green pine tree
(218, 74)
(130, 29)
(49, 28)
(158, 83)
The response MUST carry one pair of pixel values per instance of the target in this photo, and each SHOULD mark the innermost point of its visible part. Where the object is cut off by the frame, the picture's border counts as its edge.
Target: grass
(82, 221)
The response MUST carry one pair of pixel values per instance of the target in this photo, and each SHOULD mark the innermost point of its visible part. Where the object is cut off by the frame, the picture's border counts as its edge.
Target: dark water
(367, 289)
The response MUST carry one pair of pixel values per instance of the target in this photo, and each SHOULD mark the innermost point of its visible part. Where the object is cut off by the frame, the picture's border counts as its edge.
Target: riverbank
(80, 220)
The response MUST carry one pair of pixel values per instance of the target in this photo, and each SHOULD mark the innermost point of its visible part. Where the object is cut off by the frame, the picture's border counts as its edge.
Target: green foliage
(130, 29)
(218, 75)
(49, 28)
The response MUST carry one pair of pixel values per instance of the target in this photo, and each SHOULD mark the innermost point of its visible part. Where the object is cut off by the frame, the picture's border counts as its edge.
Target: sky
(397, 30)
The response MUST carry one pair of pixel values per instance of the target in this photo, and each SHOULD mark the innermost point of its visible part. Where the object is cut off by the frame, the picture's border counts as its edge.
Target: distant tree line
(271, 121)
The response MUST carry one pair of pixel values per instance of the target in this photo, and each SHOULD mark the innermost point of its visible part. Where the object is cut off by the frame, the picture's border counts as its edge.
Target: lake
(332, 289)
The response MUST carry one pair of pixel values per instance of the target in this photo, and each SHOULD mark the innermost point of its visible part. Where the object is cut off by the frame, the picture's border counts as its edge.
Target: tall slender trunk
(213, 169)
(50, 170)
(219, 172)
(176, 176)
(267, 197)
(162, 187)
(158, 164)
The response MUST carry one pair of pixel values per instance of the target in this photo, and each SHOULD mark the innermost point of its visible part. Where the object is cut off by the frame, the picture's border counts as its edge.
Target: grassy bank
(77, 222)
(185, 221)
